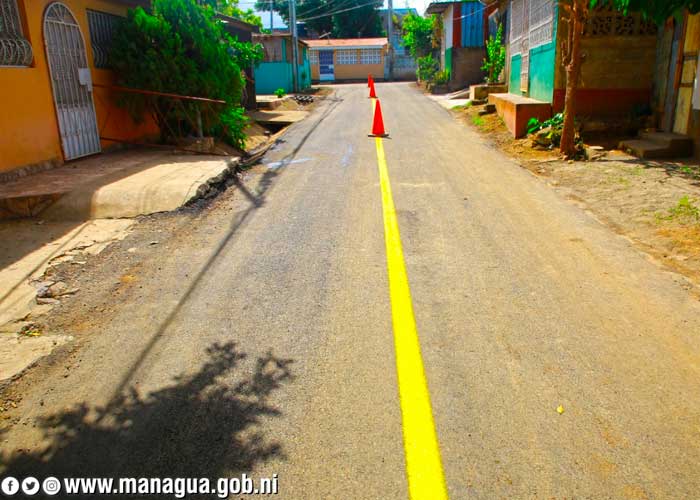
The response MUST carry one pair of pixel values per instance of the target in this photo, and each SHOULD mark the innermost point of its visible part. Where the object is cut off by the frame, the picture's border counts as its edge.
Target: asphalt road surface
(265, 345)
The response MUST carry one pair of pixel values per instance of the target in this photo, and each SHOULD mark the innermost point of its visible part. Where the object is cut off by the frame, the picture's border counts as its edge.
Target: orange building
(347, 59)
(53, 78)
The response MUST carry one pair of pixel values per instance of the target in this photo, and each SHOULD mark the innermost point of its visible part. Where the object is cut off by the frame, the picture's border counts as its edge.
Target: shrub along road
(560, 361)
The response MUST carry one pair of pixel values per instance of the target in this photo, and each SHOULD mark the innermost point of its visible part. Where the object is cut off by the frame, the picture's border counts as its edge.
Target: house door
(325, 65)
(525, 49)
(673, 77)
(71, 82)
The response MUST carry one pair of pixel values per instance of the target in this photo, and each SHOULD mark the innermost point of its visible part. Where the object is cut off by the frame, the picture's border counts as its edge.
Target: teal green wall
(542, 60)
(542, 68)
(270, 76)
(448, 60)
(514, 83)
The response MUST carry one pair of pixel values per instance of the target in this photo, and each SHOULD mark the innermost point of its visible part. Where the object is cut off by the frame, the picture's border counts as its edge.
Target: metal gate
(326, 71)
(71, 82)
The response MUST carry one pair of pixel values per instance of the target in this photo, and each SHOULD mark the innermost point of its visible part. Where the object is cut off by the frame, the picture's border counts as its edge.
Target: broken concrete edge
(53, 345)
(217, 184)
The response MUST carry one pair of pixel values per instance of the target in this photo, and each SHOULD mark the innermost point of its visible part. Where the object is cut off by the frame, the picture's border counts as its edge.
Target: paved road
(265, 344)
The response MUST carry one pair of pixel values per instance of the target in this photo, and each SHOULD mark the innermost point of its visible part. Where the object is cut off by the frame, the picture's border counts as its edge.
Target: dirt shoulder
(655, 204)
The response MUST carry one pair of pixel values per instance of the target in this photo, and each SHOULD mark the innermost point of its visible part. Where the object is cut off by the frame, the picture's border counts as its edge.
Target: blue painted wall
(472, 23)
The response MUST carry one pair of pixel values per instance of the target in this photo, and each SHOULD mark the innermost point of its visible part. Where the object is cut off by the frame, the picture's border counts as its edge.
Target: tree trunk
(573, 73)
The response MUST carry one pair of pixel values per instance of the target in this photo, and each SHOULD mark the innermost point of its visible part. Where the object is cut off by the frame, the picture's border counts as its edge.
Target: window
(313, 56)
(346, 56)
(517, 25)
(370, 56)
(102, 27)
(15, 50)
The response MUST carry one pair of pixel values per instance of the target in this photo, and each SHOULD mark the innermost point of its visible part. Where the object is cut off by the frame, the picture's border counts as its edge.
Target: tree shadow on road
(204, 425)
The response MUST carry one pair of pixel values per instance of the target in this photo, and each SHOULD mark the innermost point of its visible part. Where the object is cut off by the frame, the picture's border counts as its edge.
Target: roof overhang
(347, 47)
(440, 7)
(237, 23)
(437, 7)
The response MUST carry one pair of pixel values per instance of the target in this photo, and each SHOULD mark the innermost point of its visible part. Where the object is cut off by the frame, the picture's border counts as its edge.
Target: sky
(419, 5)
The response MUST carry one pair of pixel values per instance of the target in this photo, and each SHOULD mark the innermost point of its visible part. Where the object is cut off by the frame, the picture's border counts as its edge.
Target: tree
(230, 8)
(362, 21)
(339, 18)
(181, 48)
(657, 10)
(417, 35)
(571, 58)
(495, 59)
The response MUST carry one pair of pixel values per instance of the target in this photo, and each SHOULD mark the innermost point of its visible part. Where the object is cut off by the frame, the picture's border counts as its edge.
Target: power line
(339, 11)
(322, 6)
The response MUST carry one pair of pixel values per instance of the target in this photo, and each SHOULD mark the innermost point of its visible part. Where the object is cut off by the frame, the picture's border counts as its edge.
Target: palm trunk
(573, 73)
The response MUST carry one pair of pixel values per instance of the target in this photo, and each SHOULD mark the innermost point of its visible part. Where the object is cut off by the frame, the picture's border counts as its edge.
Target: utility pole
(295, 42)
(272, 3)
(389, 34)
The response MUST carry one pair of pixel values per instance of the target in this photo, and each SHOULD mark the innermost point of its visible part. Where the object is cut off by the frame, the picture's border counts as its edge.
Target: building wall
(514, 74)
(359, 71)
(617, 75)
(470, 17)
(462, 43)
(270, 76)
(542, 63)
(466, 66)
(28, 121)
(542, 72)
(353, 71)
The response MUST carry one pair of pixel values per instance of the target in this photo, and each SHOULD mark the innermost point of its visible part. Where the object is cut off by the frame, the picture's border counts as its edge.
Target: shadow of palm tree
(204, 425)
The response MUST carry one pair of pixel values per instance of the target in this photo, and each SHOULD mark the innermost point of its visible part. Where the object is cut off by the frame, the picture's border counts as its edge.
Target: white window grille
(15, 50)
(541, 22)
(102, 27)
(313, 56)
(346, 56)
(370, 56)
(517, 25)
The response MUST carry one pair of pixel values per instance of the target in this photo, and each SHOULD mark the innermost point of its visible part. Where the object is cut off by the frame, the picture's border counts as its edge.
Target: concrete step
(657, 145)
(516, 111)
(646, 150)
(679, 146)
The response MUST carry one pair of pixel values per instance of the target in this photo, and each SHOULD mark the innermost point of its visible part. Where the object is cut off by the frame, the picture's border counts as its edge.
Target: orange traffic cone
(370, 80)
(378, 122)
(372, 93)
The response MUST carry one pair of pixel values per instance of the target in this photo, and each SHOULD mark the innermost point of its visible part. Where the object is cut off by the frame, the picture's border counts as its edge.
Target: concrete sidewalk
(77, 210)
(114, 185)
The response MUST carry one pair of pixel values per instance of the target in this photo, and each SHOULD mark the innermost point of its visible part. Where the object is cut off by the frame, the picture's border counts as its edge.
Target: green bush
(442, 77)
(534, 125)
(495, 57)
(417, 34)
(280, 92)
(428, 67)
(232, 123)
(179, 47)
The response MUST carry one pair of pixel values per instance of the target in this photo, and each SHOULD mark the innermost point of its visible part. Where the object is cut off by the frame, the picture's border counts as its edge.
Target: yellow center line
(426, 479)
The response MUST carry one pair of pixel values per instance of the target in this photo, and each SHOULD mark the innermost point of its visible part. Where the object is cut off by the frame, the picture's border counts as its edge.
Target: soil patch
(656, 204)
